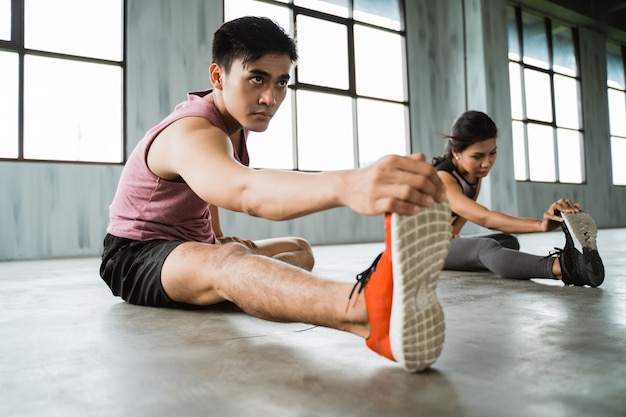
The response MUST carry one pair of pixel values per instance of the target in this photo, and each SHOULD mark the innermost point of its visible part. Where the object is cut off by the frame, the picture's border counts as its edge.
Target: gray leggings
(498, 253)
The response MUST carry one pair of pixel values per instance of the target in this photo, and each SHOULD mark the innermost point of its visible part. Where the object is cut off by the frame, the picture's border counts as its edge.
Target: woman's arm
(474, 212)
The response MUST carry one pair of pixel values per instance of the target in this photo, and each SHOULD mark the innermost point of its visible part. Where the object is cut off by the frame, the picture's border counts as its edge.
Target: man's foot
(580, 261)
(406, 320)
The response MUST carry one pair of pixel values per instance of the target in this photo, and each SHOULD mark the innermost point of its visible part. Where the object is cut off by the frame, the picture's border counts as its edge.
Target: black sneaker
(580, 261)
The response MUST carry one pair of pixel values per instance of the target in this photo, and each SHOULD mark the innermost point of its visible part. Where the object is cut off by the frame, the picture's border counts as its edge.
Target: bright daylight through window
(72, 71)
(545, 104)
(331, 117)
(616, 83)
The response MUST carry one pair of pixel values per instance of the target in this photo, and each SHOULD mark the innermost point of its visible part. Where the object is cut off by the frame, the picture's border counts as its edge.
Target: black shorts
(132, 270)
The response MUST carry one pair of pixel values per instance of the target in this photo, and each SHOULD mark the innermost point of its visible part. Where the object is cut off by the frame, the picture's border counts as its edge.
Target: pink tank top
(147, 207)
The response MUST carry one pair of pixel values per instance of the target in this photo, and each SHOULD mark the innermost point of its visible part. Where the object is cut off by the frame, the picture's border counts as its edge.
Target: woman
(469, 156)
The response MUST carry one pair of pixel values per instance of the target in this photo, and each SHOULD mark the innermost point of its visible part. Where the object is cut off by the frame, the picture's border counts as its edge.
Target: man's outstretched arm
(202, 155)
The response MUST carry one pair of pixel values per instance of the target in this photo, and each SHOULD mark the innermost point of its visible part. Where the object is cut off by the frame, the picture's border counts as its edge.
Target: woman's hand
(552, 220)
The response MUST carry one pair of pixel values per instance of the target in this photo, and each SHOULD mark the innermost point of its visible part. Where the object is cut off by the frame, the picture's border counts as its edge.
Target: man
(165, 246)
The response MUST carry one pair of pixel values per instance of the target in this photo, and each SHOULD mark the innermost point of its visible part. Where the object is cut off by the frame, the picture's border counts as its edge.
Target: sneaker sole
(419, 246)
(584, 232)
(583, 229)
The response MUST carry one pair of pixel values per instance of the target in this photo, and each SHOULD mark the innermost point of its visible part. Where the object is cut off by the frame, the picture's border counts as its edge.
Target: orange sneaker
(406, 320)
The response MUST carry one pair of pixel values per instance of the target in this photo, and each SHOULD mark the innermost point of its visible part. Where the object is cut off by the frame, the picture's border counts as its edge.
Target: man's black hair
(249, 38)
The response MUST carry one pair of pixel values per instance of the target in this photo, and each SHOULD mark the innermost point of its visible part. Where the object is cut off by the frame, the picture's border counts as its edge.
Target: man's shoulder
(190, 128)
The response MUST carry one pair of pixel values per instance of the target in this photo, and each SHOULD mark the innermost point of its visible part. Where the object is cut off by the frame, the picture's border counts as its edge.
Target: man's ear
(215, 75)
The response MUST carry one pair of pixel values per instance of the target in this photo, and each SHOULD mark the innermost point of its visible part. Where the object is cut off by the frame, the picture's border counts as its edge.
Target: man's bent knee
(304, 254)
(292, 250)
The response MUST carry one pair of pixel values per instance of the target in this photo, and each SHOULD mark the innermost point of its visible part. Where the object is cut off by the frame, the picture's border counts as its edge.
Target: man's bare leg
(403, 320)
(263, 287)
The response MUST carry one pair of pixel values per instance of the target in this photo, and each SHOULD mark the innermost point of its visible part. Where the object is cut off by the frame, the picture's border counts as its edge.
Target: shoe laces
(361, 281)
(554, 253)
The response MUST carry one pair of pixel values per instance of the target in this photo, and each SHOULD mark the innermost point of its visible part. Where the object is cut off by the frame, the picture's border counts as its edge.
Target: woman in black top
(469, 156)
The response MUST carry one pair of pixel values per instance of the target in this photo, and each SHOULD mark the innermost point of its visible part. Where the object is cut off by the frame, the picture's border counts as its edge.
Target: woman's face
(477, 160)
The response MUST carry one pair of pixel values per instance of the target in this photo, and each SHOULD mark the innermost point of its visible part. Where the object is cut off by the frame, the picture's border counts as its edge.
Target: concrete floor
(513, 348)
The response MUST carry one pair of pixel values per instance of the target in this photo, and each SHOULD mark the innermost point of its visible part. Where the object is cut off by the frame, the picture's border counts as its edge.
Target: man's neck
(232, 125)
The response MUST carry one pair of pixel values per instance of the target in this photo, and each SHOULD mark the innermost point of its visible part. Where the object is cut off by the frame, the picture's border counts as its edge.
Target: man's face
(253, 94)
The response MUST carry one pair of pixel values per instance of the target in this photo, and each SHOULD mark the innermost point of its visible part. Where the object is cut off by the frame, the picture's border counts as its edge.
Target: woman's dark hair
(249, 38)
(471, 127)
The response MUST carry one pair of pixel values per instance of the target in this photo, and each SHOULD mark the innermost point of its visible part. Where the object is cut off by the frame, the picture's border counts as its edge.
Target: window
(616, 83)
(545, 100)
(337, 114)
(5, 20)
(61, 77)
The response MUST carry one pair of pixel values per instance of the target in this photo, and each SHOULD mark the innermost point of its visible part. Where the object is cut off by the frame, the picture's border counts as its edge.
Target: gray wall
(458, 60)
(457, 56)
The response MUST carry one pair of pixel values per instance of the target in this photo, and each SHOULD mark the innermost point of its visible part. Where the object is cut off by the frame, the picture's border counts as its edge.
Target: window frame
(550, 71)
(17, 45)
(622, 48)
(296, 85)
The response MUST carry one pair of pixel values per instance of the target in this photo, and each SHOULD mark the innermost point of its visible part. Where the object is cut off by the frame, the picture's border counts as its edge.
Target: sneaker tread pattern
(419, 247)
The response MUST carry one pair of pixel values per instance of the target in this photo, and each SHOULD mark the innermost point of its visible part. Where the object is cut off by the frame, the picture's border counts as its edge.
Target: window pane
(564, 55)
(86, 28)
(541, 153)
(5, 19)
(570, 156)
(384, 13)
(274, 147)
(566, 98)
(240, 8)
(335, 7)
(618, 150)
(617, 112)
(378, 139)
(519, 151)
(615, 67)
(514, 47)
(535, 41)
(515, 81)
(73, 117)
(8, 104)
(343, 113)
(373, 46)
(538, 97)
(319, 44)
(279, 14)
(327, 145)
